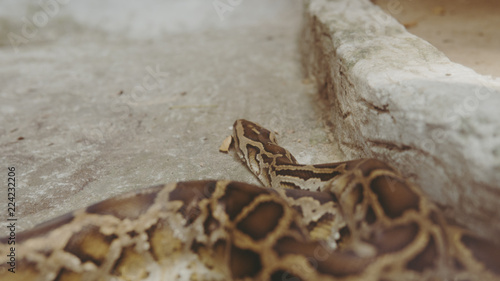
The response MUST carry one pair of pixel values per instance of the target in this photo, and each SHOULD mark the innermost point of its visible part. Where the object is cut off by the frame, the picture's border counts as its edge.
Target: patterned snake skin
(354, 220)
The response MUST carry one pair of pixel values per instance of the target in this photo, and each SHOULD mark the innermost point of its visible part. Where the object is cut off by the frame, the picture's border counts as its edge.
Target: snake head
(249, 134)
(258, 149)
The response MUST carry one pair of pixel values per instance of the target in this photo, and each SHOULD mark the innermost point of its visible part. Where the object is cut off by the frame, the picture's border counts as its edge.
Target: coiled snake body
(352, 221)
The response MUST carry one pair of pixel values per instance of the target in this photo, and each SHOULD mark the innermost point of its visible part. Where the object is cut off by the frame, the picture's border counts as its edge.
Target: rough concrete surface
(393, 96)
(110, 96)
(465, 31)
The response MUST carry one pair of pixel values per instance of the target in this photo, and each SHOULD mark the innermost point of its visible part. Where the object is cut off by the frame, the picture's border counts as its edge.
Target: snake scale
(354, 220)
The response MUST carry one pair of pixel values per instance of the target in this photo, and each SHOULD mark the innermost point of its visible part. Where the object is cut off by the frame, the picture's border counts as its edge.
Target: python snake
(354, 220)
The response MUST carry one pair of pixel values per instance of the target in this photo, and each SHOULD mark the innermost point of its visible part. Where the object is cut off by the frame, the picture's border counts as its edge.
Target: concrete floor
(108, 97)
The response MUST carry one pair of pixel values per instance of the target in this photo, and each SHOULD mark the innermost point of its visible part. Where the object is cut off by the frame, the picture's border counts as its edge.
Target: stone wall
(395, 97)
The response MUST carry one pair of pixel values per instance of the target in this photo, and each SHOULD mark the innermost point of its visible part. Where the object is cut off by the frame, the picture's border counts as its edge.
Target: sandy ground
(466, 31)
(111, 96)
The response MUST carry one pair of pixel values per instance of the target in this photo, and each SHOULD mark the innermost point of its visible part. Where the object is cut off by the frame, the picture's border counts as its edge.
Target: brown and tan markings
(352, 221)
